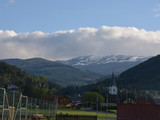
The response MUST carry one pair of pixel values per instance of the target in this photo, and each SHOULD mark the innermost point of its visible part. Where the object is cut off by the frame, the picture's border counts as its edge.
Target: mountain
(105, 65)
(143, 76)
(30, 85)
(56, 72)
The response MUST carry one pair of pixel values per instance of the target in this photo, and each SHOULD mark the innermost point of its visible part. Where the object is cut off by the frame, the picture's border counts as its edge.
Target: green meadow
(100, 115)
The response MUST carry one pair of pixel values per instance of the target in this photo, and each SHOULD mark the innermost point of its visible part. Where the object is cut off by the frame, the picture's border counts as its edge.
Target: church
(113, 90)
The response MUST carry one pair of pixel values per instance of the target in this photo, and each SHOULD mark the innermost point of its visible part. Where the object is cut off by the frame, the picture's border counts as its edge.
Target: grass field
(81, 112)
(101, 116)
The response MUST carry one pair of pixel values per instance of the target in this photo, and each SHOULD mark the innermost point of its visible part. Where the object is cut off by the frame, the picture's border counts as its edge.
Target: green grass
(80, 112)
(50, 119)
(112, 111)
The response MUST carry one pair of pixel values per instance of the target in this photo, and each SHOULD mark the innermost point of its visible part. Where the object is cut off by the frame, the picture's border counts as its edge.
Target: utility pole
(135, 96)
(126, 96)
(146, 96)
(106, 105)
(97, 104)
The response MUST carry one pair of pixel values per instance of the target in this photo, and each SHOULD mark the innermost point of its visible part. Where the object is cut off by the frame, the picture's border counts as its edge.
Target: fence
(15, 106)
(139, 96)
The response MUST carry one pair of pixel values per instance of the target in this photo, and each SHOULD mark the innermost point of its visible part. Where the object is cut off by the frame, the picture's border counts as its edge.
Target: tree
(91, 97)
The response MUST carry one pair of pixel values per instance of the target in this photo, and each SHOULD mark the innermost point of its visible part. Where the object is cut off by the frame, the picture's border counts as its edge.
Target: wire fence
(15, 106)
(139, 96)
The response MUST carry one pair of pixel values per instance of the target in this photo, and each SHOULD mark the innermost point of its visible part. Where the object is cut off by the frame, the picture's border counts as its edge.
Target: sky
(62, 29)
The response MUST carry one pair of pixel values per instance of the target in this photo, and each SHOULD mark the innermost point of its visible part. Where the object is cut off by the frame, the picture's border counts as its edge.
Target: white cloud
(12, 1)
(83, 41)
(157, 10)
(157, 7)
(157, 15)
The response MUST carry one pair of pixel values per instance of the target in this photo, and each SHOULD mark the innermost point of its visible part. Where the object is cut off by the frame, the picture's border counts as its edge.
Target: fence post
(56, 116)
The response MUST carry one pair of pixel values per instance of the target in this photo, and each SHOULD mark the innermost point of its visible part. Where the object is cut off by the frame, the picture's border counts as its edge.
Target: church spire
(113, 79)
(113, 88)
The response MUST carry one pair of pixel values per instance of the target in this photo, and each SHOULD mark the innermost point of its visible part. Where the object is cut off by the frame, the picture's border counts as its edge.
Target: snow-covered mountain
(88, 60)
(107, 64)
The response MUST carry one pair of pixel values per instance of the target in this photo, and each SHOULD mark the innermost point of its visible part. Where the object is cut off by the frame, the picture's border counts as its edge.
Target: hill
(30, 85)
(56, 72)
(143, 76)
(105, 65)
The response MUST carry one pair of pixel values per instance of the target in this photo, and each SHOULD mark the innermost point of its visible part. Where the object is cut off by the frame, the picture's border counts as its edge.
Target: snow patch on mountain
(88, 60)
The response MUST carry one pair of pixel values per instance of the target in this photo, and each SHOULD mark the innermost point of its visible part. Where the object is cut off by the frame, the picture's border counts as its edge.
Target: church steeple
(113, 79)
(113, 90)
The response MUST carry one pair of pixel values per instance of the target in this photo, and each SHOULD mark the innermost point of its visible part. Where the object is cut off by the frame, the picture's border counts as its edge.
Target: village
(118, 104)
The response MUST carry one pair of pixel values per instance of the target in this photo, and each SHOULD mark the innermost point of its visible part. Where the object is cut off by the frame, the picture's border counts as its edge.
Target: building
(138, 112)
(113, 90)
(63, 101)
(12, 87)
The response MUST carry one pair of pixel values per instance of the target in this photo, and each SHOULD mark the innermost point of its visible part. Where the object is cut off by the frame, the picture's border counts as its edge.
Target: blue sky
(63, 29)
(54, 15)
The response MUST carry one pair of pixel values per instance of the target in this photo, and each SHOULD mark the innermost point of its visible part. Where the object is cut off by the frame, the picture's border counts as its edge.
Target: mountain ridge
(56, 72)
(105, 65)
(87, 60)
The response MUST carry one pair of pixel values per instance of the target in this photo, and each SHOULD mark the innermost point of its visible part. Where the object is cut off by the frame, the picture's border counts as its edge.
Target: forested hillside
(143, 76)
(30, 85)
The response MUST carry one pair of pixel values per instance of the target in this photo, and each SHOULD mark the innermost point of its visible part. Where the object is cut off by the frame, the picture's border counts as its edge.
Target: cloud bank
(83, 41)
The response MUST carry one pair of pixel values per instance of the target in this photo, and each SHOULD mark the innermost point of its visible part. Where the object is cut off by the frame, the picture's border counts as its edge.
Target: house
(12, 87)
(76, 101)
(63, 101)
